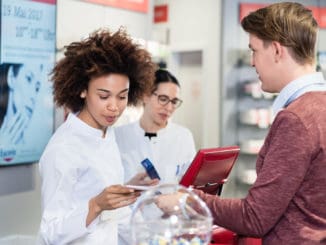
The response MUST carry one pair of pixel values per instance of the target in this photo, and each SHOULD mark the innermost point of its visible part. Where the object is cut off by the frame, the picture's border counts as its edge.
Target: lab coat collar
(84, 128)
(162, 131)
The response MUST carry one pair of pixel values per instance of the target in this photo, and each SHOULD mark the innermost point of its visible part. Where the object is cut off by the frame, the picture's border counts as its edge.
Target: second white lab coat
(171, 151)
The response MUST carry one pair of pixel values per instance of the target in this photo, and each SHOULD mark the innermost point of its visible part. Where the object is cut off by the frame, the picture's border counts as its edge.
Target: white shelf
(251, 146)
(261, 118)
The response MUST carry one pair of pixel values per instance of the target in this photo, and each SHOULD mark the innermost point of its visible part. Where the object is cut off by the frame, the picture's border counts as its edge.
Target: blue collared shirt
(296, 88)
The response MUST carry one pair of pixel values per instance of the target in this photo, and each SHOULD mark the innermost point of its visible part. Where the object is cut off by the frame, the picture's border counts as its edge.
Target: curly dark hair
(102, 53)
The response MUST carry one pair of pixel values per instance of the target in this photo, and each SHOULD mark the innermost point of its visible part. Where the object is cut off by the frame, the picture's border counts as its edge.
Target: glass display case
(185, 220)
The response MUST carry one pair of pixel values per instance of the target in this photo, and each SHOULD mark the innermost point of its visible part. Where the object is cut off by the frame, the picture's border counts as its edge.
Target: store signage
(318, 12)
(134, 5)
(27, 55)
(160, 13)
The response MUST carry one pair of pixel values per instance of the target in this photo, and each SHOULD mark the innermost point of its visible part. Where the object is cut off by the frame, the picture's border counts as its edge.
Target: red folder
(210, 169)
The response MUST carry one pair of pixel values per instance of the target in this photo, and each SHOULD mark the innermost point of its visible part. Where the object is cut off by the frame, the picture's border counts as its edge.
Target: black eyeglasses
(164, 100)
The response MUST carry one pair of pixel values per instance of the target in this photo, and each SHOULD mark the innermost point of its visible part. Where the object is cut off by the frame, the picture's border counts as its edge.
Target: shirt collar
(83, 128)
(141, 131)
(293, 87)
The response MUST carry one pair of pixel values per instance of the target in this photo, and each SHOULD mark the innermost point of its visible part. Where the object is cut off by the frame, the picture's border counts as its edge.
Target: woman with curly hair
(82, 193)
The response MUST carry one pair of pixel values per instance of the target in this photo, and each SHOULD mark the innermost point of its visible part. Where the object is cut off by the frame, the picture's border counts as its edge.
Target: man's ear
(11, 78)
(278, 51)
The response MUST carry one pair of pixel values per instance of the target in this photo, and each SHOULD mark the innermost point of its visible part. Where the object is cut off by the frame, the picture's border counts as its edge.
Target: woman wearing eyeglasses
(169, 146)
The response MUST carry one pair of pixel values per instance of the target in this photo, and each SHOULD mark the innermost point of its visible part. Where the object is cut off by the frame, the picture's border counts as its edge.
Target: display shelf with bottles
(254, 116)
(247, 118)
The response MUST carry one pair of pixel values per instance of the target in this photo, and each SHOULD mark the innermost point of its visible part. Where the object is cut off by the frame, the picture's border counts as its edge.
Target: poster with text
(27, 56)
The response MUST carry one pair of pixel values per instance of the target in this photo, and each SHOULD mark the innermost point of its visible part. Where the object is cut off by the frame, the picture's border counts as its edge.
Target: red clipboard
(210, 169)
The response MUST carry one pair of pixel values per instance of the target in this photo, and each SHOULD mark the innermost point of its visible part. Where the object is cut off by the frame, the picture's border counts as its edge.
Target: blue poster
(27, 56)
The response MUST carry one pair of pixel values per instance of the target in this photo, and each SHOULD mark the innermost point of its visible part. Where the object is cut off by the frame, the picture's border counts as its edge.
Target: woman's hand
(112, 197)
(142, 179)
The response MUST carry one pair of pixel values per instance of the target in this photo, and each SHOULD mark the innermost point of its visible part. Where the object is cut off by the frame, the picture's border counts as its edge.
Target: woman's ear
(11, 78)
(83, 94)
(146, 98)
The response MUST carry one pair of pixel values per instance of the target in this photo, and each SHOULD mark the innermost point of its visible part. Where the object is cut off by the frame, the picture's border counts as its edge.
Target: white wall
(19, 200)
(76, 19)
(193, 34)
(20, 208)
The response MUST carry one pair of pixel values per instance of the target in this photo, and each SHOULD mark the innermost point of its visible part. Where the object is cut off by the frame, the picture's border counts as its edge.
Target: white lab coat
(171, 151)
(76, 165)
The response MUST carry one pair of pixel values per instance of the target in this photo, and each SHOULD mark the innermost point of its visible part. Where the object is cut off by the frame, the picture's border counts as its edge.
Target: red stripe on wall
(318, 12)
(46, 1)
(135, 5)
